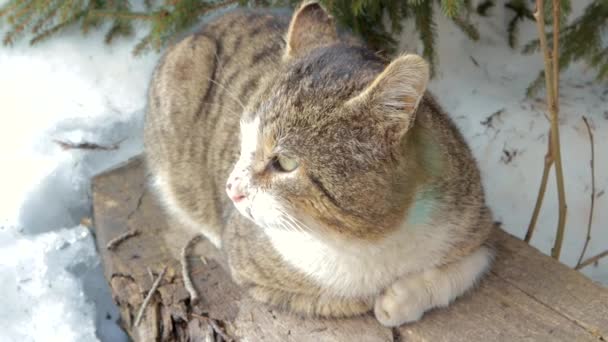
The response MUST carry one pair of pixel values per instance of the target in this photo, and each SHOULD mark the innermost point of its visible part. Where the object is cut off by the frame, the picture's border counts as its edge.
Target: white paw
(402, 302)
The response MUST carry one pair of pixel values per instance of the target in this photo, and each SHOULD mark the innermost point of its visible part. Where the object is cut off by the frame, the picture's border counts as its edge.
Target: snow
(74, 89)
(56, 274)
(470, 93)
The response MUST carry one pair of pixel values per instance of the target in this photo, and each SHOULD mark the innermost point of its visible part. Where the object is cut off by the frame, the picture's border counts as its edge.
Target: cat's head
(323, 148)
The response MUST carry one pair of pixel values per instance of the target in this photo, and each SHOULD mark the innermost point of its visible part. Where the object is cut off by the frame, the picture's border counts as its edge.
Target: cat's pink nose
(235, 191)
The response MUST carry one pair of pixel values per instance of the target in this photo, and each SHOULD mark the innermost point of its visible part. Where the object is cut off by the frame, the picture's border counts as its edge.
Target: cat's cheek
(266, 210)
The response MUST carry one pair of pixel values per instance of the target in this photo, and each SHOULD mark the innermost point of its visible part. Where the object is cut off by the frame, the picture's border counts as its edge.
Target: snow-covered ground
(70, 89)
(75, 89)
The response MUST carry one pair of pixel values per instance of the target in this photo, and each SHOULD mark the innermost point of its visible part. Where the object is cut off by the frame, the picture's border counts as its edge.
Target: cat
(330, 179)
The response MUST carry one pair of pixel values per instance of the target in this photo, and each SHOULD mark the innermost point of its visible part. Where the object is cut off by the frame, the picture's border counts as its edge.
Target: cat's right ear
(393, 97)
(311, 26)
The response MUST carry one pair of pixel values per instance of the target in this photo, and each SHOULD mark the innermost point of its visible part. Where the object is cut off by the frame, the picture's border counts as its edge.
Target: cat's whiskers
(228, 109)
(301, 226)
(231, 94)
(286, 225)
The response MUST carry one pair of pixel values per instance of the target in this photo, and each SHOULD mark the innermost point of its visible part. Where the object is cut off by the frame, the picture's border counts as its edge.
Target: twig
(591, 260)
(551, 61)
(210, 335)
(155, 285)
(119, 239)
(590, 220)
(555, 142)
(150, 274)
(216, 327)
(68, 145)
(541, 192)
(186, 270)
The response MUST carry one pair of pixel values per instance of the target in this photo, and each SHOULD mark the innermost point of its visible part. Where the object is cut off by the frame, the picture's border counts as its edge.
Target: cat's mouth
(267, 212)
(244, 207)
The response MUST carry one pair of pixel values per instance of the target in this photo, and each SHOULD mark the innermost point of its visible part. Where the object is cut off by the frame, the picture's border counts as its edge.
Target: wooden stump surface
(526, 297)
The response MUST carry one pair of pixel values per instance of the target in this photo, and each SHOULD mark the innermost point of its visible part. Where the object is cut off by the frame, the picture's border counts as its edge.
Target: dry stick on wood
(592, 260)
(150, 274)
(67, 145)
(216, 327)
(590, 220)
(144, 305)
(119, 239)
(186, 270)
(551, 60)
(209, 336)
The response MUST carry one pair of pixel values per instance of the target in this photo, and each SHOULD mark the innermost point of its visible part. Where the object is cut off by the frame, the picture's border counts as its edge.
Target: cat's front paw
(402, 302)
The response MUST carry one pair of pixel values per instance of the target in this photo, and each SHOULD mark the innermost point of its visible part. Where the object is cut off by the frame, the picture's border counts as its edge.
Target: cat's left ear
(310, 27)
(395, 94)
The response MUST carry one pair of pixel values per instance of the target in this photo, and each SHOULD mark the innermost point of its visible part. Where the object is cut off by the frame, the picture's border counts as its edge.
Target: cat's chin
(245, 210)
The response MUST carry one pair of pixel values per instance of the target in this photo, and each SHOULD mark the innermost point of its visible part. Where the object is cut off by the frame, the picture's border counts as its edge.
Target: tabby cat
(331, 179)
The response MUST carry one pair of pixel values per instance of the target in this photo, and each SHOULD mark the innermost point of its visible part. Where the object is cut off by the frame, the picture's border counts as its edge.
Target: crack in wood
(139, 202)
(595, 332)
(396, 334)
(122, 275)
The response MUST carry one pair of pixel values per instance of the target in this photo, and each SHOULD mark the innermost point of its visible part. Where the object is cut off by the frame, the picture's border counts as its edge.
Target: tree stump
(527, 295)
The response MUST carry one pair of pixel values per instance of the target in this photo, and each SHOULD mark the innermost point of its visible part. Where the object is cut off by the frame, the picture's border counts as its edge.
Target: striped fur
(385, 210)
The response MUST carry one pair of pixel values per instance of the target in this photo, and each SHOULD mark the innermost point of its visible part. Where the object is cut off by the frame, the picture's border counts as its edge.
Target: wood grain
(526, 297)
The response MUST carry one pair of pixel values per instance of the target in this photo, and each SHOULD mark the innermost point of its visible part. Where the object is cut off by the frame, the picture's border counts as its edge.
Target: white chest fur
(361, 269)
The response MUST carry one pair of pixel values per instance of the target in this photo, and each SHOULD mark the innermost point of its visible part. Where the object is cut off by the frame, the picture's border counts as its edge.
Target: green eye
(284, 164)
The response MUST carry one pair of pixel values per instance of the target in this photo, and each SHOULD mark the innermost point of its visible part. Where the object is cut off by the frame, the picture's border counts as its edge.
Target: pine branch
(484, 7)
(522, 12)
(427, 29)
(44, 18)
(451, 8)
(467, 27)
(581, 40)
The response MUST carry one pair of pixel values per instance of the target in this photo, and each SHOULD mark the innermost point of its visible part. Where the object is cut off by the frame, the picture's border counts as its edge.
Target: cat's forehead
(303, 106)
(328, 75)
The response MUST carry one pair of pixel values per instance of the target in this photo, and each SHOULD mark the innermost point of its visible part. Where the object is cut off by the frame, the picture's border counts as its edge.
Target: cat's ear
(310, 27)
(396, 93)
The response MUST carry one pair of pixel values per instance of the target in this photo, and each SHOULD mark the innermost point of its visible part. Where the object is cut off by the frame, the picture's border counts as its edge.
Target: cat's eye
(284, 164)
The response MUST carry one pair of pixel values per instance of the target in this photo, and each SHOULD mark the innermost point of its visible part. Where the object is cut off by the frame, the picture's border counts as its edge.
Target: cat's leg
(409, 297)
(311, 305)
(170, 202)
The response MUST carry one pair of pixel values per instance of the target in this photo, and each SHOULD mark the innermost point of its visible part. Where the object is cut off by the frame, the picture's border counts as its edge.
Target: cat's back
(216, 69)
(197, 95)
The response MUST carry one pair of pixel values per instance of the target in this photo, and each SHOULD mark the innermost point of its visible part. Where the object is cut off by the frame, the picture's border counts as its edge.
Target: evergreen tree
(377, 21)
(580, 40)
(167, 18)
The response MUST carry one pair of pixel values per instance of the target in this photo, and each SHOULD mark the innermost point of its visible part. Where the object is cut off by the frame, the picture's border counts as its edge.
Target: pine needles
(45, 18)
(581, 40)
(166, 19)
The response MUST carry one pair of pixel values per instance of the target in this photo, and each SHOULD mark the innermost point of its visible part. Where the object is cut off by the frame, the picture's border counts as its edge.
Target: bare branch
(186, 270)
(144, 305)
(555, 142)
(541, 191)
(592, 260)
(119, 239)
(590, 220)
(551, 61)
(112, 244)
(216, 327)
